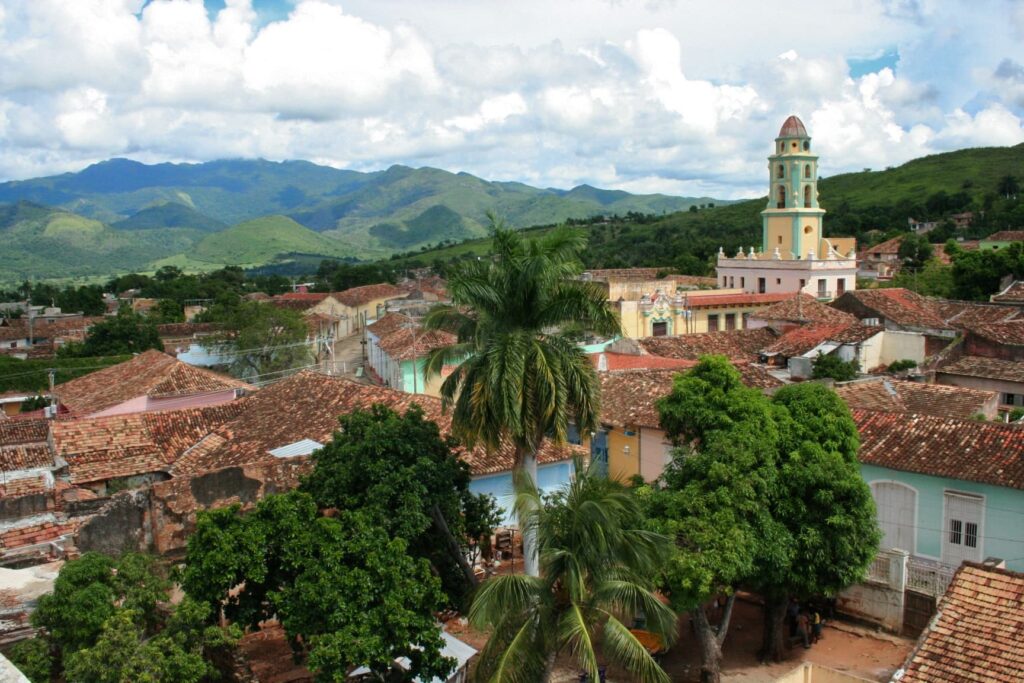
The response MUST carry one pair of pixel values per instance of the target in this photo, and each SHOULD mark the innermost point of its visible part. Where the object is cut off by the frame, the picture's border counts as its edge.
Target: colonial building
(795, 255)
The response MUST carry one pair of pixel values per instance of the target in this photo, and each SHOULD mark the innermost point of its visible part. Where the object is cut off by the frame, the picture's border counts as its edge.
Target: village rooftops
(983, 452)
(628, 397)
(802, 340)
(388, 323)
(151, 374)
(104, 448)
(977, 632)
(1006, 236)
(966, 315)
(414, 342)
(887, 248)
(802, 308)
(1006, 334)
(742, 345)
(987, 368)
(23, 444)
(939, 400)
(900, 306)
(307, 406)
(1013, 294)
(360, 296)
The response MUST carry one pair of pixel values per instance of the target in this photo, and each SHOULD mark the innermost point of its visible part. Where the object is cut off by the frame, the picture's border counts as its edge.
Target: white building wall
(788, 275)
(898, 345)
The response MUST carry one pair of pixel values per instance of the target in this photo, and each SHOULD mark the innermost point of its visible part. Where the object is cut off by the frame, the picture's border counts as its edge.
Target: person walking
(816, 626)
(803, 629)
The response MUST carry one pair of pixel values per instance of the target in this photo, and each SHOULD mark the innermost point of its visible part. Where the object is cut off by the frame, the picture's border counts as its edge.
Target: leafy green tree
(933, 279)
(713, 494)
(126, 332)
(167, 311)
(823, 504)
(516, 377)
(346, 592)
(831, 366)
(914, 251)
(1009, 186)
(266, 339)
(598, 563)
(34, 658)
(401, 472)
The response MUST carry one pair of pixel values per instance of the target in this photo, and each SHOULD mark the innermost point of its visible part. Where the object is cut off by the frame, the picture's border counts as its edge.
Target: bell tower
(792, 221)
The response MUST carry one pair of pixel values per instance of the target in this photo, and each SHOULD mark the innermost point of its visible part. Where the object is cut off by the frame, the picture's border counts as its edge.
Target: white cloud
(630, 95)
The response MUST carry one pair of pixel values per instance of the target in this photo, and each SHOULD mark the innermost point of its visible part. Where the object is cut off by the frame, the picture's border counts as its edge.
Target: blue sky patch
(869, 65)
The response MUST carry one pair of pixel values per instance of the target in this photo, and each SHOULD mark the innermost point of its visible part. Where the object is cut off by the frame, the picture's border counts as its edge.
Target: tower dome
(793, 128)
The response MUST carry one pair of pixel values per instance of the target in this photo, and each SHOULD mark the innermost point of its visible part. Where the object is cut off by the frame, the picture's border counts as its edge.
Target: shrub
(903, 364)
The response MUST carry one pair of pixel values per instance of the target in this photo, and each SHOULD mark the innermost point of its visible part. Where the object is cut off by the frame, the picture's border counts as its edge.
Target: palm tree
(598, 563)
(519, 375)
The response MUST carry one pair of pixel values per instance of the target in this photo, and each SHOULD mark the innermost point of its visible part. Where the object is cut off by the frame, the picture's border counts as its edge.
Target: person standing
(803, 629)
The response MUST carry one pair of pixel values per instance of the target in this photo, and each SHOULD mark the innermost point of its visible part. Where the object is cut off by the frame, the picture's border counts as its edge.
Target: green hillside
(169, 215)
(261, 240)
(40, 242)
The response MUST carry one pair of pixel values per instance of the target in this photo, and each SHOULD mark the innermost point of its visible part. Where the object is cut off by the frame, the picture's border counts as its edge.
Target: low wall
(881, 599)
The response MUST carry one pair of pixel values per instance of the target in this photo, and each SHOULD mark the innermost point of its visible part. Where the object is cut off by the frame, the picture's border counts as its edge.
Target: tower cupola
(792, 219)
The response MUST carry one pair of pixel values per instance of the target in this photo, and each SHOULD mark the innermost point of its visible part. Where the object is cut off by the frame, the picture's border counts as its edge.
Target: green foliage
(166, 311)
(345, 591)
(933, 279)
(125, 333)
(37, 402)
(978, 274)
(109, 620)
(337, 276)
(262, 239)
(832, 366)
(34, 658)
(86, 299)
(32, 374)
(598, 563)
(266, 339)
(902, 364)
(401, 473)
(914, 251)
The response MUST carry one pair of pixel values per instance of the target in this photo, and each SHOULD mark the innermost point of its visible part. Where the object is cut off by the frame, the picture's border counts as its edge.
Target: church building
(795, 255)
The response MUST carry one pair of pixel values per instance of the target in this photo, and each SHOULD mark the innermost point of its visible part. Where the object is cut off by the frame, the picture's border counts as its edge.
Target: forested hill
(870, 205)
(369, 214)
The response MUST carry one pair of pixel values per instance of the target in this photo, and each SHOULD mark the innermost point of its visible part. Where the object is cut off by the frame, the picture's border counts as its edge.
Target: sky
(676, 96)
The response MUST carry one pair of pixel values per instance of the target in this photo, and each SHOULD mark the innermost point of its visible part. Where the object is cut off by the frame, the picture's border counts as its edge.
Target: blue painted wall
(549, 478)
(1002, 533)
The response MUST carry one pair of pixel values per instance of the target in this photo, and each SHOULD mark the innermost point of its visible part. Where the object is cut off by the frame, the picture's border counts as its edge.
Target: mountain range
(122, 215)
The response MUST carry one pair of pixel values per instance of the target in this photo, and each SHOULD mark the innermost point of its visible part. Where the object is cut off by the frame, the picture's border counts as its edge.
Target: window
(782, 171)
(962, 518)
(732, 282)
(840, 286)
(807, 145)
(822, 287)
(780, 239)
(1010, 399)
(730, 321)
(659, 329)
(746, 317)
(743, 282)
(794, 144)
(803, 283)
(761, 285)
(807, 171)
(782, 197)
(807, 196)
(897, 508)
(713, 323)
(955, 530)
(778, 280)
(970, 534)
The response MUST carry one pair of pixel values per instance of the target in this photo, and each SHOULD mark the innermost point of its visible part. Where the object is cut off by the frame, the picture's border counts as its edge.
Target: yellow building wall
(620, 465)
(844, 245)
(10, 409)
(780, 235)
(636, 325)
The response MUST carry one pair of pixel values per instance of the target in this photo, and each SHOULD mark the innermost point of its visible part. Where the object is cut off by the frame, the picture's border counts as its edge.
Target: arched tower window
(782, 197)
(807, 171)
(782, 171)
(807, 145)
(807, 196)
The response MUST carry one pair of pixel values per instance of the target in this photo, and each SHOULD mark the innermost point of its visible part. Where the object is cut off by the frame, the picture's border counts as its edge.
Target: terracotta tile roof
(629, 273)
(24, 486)
(1006, 236)
(103, 448)
(358, 296)
(803, 308)
(628, 396)
(901, 306)
(187, 329)
(966, 315)
(389, 322)
(645, 361)
(887, 247)
(1014, 293)
(793, 127)
(36, 533)
(984, 452)
(978, 632)
(1008, 333)
(407, 343)
(312, 297)
(800, 340)
(734, 344)
(940, 400)
(306, 406)
(295, 304)
(710, 298)
(20, 432)
(151, 373)
(988, 368)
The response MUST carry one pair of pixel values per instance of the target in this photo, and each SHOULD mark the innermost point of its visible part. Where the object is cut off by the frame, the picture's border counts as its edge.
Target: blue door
(599, 452)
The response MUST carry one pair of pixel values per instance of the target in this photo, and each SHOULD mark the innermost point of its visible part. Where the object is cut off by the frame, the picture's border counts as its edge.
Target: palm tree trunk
(530, 563)
(549, 665)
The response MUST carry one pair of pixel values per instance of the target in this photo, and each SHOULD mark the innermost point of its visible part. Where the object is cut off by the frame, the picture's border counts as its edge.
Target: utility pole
(52, 373)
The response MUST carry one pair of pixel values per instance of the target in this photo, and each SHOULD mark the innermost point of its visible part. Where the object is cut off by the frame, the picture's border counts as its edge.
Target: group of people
(805, 622)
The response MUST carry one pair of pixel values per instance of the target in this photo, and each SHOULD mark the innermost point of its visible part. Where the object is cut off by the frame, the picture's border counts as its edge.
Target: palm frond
(623, 648)
(573, 631)
(628, 599)
(500, 596)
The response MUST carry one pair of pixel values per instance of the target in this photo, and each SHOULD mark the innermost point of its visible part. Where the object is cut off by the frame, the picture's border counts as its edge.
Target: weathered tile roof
(901, 306)
(888, 247)
(357, 296)
(966, 315)
(734, 344)
(36, 533)
(24, 486)
(984, 452)
(1006, 236)
(389, 322)
(629, 273)
(409, 343)
(628, 396)
(23, 444)
(989, 368)
(645, 361)
(978, 632)
(940, 400)
(19, 432)
(1009, 333)
(800, 340)
(1013, 294)
(151, 373)
(803, 308)
(104, 448)
(187, 329)
(306, 406)
(711, 298)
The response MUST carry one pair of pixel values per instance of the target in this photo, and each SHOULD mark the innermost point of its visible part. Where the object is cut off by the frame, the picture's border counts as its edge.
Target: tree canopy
(126, 332)
(409, 480)
(262, 339)
(346, 592)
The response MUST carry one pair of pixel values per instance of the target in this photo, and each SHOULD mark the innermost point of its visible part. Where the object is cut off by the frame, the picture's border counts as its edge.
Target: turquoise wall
(1002, 526)
(549, 478)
